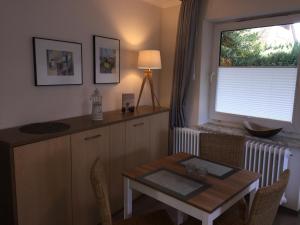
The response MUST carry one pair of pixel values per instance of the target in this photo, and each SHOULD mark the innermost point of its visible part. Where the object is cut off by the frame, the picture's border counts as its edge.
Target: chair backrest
(100, 189)
(223, 148)
(267, 200)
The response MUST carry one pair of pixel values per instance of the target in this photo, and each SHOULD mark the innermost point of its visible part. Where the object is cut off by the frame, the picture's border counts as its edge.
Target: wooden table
(206, 205)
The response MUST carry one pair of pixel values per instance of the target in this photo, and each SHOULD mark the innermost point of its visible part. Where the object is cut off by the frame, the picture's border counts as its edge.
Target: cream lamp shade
(149, 59)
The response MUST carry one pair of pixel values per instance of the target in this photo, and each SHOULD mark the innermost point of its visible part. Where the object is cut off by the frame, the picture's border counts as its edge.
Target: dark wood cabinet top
(14, 138)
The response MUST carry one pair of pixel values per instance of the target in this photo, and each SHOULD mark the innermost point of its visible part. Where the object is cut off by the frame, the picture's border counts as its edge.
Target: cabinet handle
(138, 124)
(92, 137)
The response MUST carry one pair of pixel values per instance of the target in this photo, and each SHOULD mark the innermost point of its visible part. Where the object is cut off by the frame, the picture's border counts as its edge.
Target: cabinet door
(43, 182)
(159, 135)
(117, 165)
(86, 148)
(137, 142)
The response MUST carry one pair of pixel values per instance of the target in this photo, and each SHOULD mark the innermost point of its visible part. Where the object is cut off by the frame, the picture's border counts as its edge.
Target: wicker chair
(160, 217)
(222, 148)
(263, 210)
(267, 201)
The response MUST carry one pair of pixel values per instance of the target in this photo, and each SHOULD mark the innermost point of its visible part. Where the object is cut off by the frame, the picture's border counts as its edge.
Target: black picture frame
(36, 60)
(115, 79)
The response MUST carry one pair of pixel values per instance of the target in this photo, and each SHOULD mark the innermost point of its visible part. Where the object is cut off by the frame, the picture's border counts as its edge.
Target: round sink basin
(44, 128)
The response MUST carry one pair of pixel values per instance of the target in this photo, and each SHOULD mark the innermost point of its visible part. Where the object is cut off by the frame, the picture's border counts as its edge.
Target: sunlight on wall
(112, 94)
(137, 28)
(133, 34)
(132, 80)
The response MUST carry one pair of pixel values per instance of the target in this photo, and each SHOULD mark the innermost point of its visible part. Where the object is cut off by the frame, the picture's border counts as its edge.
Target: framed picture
(127, 102)
(106, 60)
(57, 62)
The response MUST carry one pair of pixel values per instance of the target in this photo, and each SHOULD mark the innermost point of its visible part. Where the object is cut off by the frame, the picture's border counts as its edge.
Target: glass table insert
(214, 169)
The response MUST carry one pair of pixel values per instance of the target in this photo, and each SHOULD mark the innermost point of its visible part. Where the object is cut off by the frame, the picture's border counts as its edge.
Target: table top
(217, 192)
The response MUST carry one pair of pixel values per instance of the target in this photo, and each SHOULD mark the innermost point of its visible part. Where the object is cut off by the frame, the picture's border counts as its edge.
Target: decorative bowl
(260, 131)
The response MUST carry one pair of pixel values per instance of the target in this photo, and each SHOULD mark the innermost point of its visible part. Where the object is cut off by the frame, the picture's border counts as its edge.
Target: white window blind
(257, 92)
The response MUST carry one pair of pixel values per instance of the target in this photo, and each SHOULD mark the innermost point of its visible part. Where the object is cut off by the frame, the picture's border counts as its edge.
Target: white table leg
(252, 195)
(127, 198)
(180, 217)
(207, 221)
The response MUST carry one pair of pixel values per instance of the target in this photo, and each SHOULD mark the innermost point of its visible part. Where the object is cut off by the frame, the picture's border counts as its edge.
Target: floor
(145, 204)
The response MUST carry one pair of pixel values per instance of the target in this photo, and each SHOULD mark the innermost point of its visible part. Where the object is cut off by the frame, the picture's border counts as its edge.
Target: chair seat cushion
(159, 217)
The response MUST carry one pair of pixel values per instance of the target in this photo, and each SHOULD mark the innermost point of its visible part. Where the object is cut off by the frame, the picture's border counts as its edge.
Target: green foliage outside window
(247, 48)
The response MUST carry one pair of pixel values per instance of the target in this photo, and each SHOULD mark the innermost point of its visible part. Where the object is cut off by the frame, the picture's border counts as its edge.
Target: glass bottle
(96, 99)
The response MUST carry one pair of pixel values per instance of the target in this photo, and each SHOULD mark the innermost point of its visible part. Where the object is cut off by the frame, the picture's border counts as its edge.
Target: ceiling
(163, 3)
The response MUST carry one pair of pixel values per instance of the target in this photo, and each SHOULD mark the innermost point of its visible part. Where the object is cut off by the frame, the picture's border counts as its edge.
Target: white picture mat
(212, 168)
(41, 47)
(102, 42)
(173, 182)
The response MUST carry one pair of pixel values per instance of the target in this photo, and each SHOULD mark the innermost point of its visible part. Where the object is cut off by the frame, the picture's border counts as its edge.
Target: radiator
(186, 140)
(270, 160)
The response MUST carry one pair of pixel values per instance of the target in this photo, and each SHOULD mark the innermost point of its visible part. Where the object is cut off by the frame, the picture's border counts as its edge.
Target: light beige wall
(136, 23)
(169, 19)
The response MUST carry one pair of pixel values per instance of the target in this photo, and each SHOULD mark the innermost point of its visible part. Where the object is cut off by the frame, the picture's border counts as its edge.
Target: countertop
(14, 138)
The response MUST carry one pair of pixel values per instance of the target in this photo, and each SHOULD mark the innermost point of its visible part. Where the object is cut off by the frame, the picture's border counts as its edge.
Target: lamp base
(148, 76)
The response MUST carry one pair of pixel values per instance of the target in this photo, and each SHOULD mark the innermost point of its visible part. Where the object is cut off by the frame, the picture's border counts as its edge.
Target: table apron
(205, 217)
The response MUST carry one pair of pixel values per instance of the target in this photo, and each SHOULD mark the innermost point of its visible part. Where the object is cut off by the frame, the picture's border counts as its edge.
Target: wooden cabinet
(48, 182)
(43, 182)
(159, 133)
(86, 148)
(117, 165)
(137, 142)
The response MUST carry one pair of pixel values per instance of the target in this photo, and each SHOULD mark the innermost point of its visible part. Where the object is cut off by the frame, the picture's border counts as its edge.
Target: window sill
(286, 139)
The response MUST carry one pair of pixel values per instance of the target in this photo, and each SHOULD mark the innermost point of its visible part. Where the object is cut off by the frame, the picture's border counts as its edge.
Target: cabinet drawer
(159, 135)
(117, 165)
(86, 148)
(137, 142)
(43, 182)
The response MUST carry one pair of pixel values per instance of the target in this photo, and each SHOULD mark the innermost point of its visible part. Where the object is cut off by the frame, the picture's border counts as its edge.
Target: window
(256, 70)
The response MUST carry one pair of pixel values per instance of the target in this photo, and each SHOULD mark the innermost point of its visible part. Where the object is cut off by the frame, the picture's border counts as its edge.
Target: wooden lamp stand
(148, 76)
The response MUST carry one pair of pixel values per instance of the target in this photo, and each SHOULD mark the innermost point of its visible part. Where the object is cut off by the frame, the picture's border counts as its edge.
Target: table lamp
(149, 60)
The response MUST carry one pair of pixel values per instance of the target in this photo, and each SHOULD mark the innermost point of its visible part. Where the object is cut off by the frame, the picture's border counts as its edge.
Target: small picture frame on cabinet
(127, 102)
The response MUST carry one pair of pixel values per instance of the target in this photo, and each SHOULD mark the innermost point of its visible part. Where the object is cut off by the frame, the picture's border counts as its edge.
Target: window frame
(293, 126)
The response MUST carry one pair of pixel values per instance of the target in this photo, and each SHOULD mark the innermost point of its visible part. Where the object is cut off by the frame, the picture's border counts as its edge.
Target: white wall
(136, 23)
(213, 11)
(293, 188)
(169, 20)
(220, 10)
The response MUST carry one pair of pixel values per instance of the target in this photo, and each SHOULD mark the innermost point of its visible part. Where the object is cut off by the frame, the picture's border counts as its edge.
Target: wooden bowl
(259, 131)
